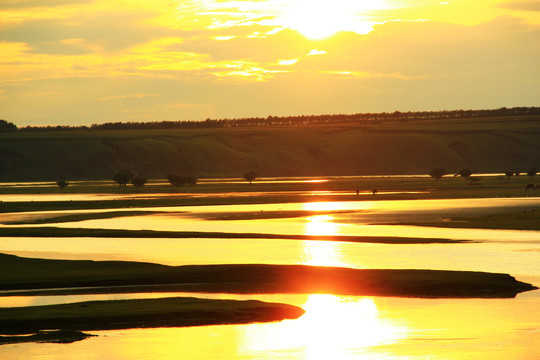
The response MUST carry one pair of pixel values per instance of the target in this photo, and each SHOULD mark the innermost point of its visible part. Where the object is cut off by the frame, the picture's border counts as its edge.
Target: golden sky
(79, 62)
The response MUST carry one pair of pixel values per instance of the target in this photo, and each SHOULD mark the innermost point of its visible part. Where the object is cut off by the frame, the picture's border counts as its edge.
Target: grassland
(485, 145)
(141, 313)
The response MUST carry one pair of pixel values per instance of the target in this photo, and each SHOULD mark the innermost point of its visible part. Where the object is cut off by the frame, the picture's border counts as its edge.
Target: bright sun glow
(319, 19)
(321, 225)
(331, 327)
(322, 253)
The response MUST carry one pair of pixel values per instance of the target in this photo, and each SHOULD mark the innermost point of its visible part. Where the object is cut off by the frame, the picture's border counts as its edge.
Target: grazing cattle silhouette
(529, 187)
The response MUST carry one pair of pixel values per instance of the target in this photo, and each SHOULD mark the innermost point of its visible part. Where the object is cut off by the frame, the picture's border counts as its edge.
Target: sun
(319, 19)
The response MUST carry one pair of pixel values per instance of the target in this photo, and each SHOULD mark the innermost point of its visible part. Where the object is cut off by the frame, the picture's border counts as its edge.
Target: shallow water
(350, 218)
(334, 327)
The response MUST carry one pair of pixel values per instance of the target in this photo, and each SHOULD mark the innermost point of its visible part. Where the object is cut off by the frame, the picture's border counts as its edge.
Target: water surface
(333, 327)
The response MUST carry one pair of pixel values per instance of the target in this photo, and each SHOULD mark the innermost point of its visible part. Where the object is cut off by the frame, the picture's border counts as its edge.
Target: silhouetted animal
(529, 187)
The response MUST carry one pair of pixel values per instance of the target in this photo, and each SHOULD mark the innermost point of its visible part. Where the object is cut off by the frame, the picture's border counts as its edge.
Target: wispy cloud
(127, 96)
(316, 52)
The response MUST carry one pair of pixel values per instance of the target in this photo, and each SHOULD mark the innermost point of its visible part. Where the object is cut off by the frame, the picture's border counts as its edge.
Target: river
(333, 327)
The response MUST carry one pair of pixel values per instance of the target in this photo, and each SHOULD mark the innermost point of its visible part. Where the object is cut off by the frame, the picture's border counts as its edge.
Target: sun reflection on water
(321, 225)
(333, 327)
(322, 253)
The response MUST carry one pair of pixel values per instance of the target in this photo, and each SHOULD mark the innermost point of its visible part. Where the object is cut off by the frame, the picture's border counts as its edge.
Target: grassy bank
(27, 273)
(142, 313)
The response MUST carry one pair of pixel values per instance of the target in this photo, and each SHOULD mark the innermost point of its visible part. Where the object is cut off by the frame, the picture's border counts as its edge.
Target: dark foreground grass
(18, 273)
(119, 233)
(141, 313)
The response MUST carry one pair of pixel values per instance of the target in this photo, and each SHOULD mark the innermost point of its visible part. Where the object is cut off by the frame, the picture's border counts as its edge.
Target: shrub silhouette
(122, 177)
(178, 180)
(250, 176)
(139, 181)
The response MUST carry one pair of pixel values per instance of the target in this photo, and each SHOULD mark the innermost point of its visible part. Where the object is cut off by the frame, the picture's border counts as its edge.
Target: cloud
(316, 52)
(152, 63)
(105, 31)
(21, 4)
(287, 62)
(530, 5)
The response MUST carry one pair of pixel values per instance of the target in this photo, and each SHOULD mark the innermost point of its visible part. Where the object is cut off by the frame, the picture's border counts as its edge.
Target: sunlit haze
(80, 62)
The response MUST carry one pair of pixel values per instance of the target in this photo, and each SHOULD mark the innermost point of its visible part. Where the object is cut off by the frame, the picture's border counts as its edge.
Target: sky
(83, 62)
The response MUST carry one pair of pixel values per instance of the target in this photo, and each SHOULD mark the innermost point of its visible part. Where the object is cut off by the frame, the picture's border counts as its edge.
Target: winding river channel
(333, 327)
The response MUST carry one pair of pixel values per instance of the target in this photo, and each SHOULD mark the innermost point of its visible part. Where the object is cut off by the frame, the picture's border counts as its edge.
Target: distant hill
(492, 144)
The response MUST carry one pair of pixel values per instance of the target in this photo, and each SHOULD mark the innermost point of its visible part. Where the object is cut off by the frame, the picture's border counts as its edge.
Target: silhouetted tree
(250, 176)
(438, 173)
(177, 180)
(62, 184)
(139, 181)
(7, 126)
(465, 173)
(122, 177)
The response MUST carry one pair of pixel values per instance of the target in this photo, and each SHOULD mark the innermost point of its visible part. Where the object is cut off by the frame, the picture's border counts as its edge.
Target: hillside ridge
(413, 147)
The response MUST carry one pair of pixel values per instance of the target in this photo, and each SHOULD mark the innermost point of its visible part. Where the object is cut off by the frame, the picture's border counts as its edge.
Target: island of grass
(141, 313)
(522, 220)
(19, 275)
(155, 234)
